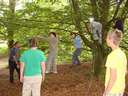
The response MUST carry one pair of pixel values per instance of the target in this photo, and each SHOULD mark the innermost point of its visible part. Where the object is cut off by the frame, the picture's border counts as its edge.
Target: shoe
(55, 72)
(47, 72)
(11, 82)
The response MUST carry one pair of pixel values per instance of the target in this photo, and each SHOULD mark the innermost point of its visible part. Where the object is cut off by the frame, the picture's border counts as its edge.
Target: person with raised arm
(52, 40)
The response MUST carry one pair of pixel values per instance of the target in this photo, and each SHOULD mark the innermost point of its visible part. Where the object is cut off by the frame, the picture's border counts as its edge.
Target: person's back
(96, 28)
(13, 52)
(78, 46)
(77, 42)
(32, 60)
(32, 69)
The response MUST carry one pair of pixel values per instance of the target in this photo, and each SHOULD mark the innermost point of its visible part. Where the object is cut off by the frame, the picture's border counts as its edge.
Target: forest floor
(70, 81)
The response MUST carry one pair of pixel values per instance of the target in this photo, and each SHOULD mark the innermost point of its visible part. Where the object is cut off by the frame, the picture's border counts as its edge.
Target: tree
(63, 16)
(100, 11)
(10, 18)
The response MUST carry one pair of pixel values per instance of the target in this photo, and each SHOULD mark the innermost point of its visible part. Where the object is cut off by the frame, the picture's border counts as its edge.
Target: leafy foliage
(39, 17)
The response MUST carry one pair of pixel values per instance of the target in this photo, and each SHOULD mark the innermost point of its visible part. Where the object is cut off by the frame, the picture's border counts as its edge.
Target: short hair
(74, 33)
(119, 25)
(116, 35)
(53, 33)
(33, 42)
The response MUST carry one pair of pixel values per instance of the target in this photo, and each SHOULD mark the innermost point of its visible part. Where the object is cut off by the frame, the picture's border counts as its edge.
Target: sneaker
(55, 72)
(47, 72)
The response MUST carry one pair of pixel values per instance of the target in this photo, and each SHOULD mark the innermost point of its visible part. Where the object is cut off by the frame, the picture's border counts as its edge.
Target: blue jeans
(75, 57)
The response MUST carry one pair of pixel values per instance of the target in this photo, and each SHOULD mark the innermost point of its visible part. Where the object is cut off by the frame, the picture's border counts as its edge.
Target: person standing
(77, 44)
(32, 69)
(116, 66)
(52, 40)
(14, 61)
(53, 47)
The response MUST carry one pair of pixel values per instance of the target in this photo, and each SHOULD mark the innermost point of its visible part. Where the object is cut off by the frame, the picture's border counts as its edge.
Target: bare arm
(112, 80)
(43, 70)
(43, 38)
(21, 71)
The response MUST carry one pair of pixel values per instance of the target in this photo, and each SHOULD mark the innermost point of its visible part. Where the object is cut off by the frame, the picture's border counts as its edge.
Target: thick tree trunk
(98, 59)
(100, 10)
(97, 49)
(10, 39)
(10, 31)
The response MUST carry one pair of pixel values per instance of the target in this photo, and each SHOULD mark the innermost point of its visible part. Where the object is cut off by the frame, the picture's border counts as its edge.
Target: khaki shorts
(32, 85)
(116, 94)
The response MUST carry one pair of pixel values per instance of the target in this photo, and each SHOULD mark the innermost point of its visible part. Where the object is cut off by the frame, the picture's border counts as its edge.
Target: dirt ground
(3, 62)
(70, 81)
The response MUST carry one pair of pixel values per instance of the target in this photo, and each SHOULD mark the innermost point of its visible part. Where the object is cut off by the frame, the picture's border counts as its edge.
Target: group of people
(32, 63)
(14, 56)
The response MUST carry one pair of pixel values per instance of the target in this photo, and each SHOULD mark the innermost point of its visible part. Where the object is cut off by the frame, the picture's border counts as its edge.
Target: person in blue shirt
(77, 44)
(14, 61)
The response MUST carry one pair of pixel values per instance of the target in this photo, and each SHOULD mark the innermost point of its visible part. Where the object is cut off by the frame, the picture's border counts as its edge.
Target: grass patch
(3, 52)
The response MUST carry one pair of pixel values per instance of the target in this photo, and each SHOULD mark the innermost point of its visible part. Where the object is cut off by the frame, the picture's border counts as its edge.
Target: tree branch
(125, 11)
(125, 48)
(77, 18)
(116, 12)
(39, 26)
(94, 8)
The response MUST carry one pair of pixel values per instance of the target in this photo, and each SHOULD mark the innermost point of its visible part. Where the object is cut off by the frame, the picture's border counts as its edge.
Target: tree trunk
(97, 49)
(98, 58)
(102, 13)
(10, 29)
(10, 38)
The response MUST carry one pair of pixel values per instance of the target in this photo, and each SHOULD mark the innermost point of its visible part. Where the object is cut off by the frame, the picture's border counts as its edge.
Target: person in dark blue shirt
(14, 61)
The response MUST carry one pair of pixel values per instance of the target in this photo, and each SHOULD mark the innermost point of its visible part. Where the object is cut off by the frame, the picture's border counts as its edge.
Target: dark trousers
(12, 67)
(75, 57)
